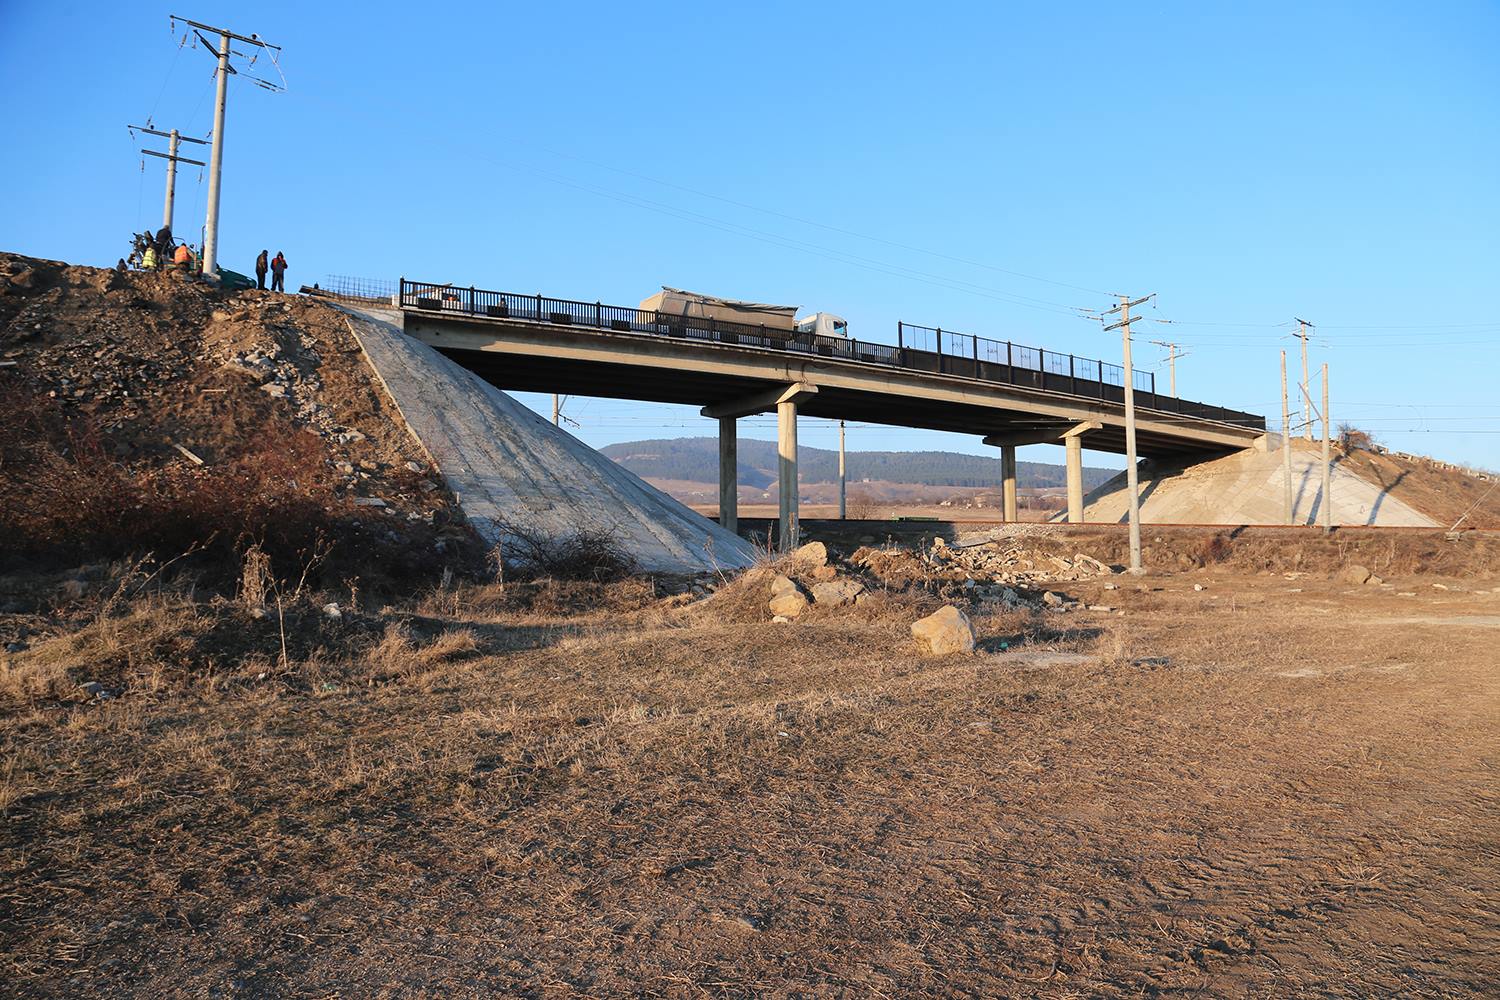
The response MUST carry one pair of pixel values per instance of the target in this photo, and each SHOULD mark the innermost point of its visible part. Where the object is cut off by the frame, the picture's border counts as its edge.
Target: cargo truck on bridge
(677, 302)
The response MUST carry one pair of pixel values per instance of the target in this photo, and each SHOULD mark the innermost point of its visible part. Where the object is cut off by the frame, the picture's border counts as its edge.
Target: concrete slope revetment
(513, 470)
(1247, 488)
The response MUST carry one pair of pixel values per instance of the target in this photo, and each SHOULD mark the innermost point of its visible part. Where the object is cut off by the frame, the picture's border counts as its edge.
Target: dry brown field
(1277, 785)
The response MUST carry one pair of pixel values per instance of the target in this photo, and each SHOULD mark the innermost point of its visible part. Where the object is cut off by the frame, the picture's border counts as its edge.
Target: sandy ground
(1266, 787)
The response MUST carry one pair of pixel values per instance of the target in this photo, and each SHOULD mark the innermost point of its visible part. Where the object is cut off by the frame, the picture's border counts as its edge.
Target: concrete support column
(786, 449)
(729, 480)
(1008, 482)
(1075, 478)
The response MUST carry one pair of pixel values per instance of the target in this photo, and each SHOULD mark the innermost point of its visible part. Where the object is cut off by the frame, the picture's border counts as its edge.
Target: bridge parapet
(918, 348)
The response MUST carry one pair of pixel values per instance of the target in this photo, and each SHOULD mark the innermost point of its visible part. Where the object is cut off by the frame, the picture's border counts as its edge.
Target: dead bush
(1216, 548)
(589, 554)
(1351, 438)
(65, 499)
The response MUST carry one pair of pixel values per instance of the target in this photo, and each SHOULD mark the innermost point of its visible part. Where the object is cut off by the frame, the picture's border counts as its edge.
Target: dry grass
(562, 789)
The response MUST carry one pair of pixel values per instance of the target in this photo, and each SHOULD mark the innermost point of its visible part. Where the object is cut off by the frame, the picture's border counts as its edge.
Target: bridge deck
(532, 343)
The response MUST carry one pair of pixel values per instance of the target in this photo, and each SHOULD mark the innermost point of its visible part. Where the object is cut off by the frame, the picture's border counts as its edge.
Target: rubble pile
(1015, 565)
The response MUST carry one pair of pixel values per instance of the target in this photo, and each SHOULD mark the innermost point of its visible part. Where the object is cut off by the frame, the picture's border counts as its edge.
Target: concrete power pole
(1307, 420)
(216, 152)
(556, 410)
(1172, 355)
(1132, 473)
(1327, 462)
(173, 138)
(1286, 447)
(843, 506)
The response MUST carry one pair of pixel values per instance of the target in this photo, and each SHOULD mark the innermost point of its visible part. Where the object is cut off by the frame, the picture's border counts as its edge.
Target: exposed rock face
(946, 631)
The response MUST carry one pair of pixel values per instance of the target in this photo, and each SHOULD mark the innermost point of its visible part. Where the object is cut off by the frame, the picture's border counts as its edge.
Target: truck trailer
(694, 305)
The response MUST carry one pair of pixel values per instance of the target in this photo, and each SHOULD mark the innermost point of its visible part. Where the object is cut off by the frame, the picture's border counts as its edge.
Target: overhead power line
(825, 226)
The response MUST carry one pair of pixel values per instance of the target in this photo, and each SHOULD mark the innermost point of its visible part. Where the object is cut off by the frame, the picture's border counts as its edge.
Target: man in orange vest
(183, 258)
(278, 273)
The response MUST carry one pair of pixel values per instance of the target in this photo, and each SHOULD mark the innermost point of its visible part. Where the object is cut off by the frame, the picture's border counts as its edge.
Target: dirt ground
(1250, 783)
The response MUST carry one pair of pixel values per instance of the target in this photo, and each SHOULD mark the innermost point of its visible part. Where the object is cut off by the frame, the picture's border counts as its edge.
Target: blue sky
(1335, 161)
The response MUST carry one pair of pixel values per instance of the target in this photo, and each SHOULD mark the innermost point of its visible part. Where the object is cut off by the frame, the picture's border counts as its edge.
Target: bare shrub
(862, 507)
(62, 494)
(1351, 438)
(1216, 548)
(255, 579)
(589, 554)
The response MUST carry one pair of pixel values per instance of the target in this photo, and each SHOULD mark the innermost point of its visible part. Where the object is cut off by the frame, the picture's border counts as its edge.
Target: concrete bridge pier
(1071, 436)
(729, 480)
(783, 399)
(1008, 482)
(786, 472)
(1074, 449)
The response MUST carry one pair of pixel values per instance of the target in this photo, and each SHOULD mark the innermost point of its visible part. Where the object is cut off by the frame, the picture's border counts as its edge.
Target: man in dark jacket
(278, 272)
(261, 267)
(164, 243)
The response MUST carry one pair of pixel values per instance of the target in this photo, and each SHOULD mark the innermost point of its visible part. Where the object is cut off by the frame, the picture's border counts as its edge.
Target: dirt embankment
(1442, 491)
(147, 412)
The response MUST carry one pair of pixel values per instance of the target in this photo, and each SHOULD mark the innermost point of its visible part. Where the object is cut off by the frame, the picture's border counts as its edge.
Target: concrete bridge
(1008, 394)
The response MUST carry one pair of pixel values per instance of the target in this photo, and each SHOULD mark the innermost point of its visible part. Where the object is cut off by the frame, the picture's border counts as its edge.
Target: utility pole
(556, 410)
(843, 507)
(1307, 420)
(1132, 474)
(216, 152)
(173, 138)
(1327, 462)
(1286, 447)
(1172, 356)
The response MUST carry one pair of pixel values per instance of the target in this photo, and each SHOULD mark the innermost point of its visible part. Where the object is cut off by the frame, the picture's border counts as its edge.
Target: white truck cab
(824, 325)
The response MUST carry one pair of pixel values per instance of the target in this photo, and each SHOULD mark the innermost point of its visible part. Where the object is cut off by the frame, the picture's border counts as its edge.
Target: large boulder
(946, 631)
(1355, 574)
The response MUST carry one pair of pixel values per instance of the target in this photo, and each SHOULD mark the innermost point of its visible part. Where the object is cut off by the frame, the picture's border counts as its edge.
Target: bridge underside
(615, 380)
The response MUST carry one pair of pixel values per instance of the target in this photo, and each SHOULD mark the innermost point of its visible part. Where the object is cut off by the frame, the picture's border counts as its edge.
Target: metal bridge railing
(918, 348)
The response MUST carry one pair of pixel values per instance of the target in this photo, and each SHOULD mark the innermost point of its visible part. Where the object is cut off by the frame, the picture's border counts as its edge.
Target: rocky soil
(173, 377)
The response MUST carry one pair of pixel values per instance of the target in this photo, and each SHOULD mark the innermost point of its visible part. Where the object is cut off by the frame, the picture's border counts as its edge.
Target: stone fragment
(811, 556)
(946, 631)
(788, 605)
(1355, 574)
(1052, 600)
(782, 584)
(836, 593)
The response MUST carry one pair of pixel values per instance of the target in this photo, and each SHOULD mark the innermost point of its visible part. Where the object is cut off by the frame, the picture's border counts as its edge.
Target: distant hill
(697, 460)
